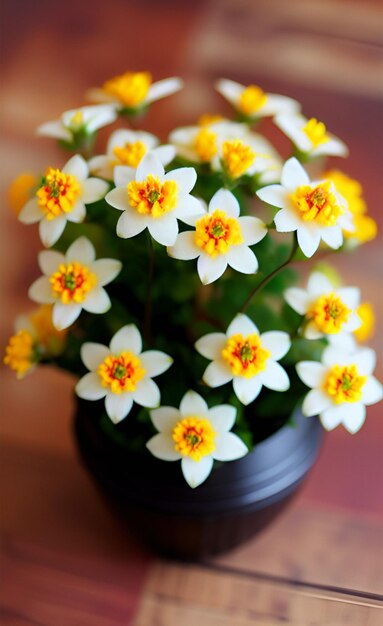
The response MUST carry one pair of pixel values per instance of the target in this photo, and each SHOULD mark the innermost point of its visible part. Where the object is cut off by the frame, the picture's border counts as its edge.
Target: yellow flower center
(215, 233)
(318, 204)
(350, 189)
(245, 355)
(58, 193)
(205, 144)
(366, 329)
(344, 384)
(316, 132)
(130, 154)
(19, 352)
(47, 335)
(76, 121)
(329, 314)
(237, 157)
(72, 282)
(252, 99)
(121, 373)
(151, 197)
(209, 118)
(130, 88)
(194, 437)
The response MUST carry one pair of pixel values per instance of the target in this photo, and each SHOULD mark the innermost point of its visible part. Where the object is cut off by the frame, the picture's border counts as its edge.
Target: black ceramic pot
(237, 500)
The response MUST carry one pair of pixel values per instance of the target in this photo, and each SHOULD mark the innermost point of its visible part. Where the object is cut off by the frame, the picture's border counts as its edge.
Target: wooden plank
(317, 546)
(177, 595)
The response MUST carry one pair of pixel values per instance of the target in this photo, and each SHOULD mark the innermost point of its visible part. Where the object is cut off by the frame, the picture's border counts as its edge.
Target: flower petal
(308, 240)
(193, 404)
(89, 387)
(163, 88)
(81, 250)
(216, 374)
(147, 393)
(165, 418)
(242, 259)
(50, 231)
(222, 417)
(286, 221)
(130, 224)
(127, 339)
(242, 325)
(118, 198)
(164, 230)
(225, 201)
(31, 212)
(211, 345)
(122, 176)
(253, 229)
(162, 447)
(294, 175)
(315, 402)
(49, 261)
(41, 291)
(275, 195)
(332, 417)
(311, 373)
(196, 472)
(275, 377)
(372, 391)
(209, 268)
(165, 153)
(77, 214)
(297, 299)
(155, 362)
(229, 447)
(247, 389)
(97, 301)
(184, 177)
(118, 405)
(318, 284)
(65, 314)
(77, 167)
(106, 270)
(277, 342)
(94, 189)
(333, 236)
(150, 165)
(185, 247)
(93, 354)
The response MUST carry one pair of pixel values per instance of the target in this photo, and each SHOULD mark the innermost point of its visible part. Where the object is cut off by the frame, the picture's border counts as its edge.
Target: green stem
(270, 276)
(148, 301)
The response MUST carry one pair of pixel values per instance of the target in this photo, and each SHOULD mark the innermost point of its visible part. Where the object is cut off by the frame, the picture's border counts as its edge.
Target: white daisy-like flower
(61, 198)
(220, 238)
(122, 373)
(327, 310)
(73, 282)
(246, 357)
(85, 120)
(252, 102)
(314, 209)
(201, 143)
(342, 385)
(154, 200)
(134, 90)
(197, 435)
(310, 136)
(127, 148)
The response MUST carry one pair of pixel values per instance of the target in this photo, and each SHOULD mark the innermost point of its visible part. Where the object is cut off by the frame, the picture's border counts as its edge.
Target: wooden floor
(66, 561)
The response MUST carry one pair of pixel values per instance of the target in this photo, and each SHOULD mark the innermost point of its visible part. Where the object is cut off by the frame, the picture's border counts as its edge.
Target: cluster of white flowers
(131, 177)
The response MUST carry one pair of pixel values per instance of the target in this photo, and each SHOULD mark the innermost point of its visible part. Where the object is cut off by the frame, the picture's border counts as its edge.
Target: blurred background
(325, 53)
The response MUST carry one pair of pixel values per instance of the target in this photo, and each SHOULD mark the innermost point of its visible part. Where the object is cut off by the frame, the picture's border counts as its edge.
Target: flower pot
(237, 500)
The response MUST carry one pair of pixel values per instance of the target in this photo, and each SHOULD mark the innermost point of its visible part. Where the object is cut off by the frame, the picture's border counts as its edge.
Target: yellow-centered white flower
(134, 90)
(121, 373)
(315, 210)
(310, 136)
(327, 310)
(196, 435)
(342, 385)
(252, 102)
(221, 238)
(73, 282)
(61, 198)
(82, 120)
(126, 148)
(246, 357)
(154, 200)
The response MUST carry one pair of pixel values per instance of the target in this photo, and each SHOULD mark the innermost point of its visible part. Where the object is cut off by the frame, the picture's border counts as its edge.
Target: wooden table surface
(66, 560)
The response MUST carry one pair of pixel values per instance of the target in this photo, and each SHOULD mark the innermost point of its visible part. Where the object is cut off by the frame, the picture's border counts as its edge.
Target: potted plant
(175, 261)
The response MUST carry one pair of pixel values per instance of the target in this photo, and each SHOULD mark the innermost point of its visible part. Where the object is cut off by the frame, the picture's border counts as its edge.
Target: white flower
(327, 310)
(127, 148)
(201, 143)
(121, 373)
(341, 387)
(62, 197)
(134, 90)
(310, 136)
(197, 435)
(154, 200)
(74, 281)
(245, 357)
(253, 102)
(82, 120)
(314, 209)
(220, 238)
